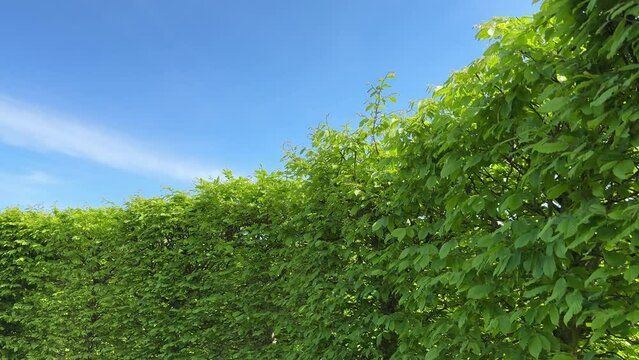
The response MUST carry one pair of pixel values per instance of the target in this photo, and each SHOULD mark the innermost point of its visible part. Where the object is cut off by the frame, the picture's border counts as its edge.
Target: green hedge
(498, 219)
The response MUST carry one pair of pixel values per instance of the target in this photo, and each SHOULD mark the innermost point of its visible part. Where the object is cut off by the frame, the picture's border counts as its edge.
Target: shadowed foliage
(497, 219)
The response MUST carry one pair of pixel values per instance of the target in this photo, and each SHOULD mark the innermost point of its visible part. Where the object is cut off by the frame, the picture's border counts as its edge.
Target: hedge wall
(498, 219)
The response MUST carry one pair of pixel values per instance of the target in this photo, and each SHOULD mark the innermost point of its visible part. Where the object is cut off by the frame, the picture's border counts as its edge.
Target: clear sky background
(101, 100)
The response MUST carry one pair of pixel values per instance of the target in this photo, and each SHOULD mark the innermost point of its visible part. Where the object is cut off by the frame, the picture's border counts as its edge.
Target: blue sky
(101, 100)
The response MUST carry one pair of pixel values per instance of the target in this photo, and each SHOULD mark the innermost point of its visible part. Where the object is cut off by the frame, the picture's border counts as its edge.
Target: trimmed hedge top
(498, 219)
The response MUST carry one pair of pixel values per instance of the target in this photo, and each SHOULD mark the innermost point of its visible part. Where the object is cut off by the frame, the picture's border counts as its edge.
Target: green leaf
(557, 190)
(536, 291)
(554, 104)
(591, 355)
(574, 301)
(534, 346)
(549, 266)
(550, 147)
(505, 324)
(553, 313)
(601, 273)
(513, 202)
(478, 204)
(618, 37)
(601, 99)
(631, 274)
(598, 321)
(380, 223)
(432, 354)
(624, 169)
(405, 252)
(563, 356)
(525, 239)
(445, 249)
(479, 291)
(421, 235)
(450, 167)
(399, 233)
(614, 258)
(559, 290)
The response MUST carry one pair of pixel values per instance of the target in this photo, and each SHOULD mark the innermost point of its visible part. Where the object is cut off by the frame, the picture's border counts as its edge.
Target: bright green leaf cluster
(498, 219)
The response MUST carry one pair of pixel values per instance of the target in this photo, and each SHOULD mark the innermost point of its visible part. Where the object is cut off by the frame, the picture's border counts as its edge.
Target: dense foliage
(498, 219)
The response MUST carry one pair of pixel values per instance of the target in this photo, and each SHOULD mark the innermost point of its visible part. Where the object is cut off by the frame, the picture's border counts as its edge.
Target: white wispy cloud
(39, 178)
(34, 177)
(32, 186)
(27, 126)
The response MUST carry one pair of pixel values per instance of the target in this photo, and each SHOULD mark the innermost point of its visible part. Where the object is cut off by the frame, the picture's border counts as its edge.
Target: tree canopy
(497, 219)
